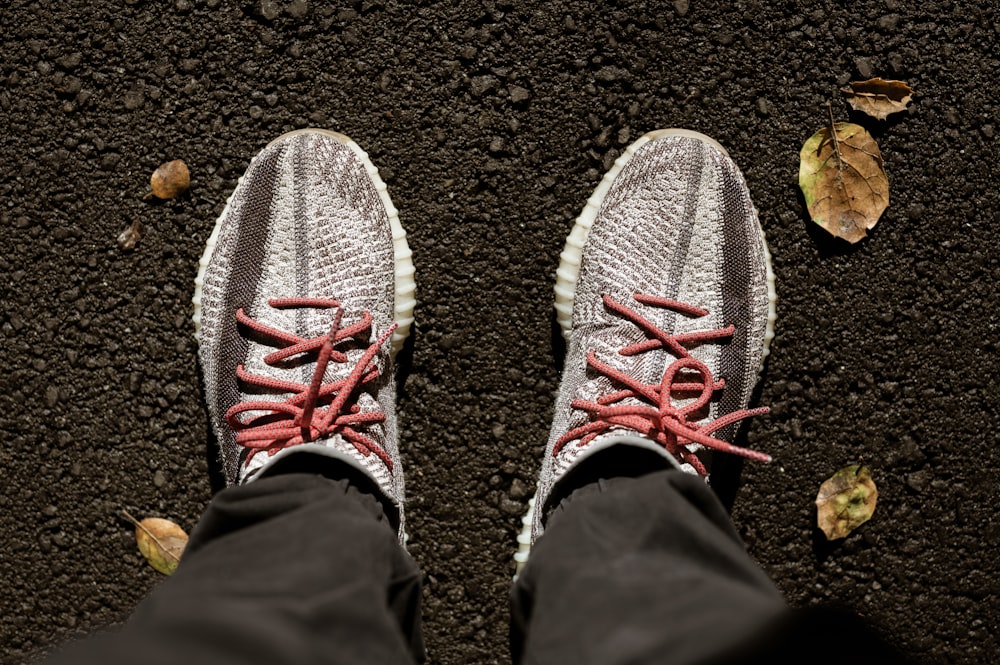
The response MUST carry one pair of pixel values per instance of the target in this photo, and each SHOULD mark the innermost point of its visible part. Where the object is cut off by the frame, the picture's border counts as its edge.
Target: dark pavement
(491, 123)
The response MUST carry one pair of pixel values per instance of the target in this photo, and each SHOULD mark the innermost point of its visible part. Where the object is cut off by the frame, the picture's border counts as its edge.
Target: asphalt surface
(491, 123)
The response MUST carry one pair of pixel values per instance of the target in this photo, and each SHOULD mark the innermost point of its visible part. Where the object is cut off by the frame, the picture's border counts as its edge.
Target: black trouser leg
(293, 568)
(639, 570)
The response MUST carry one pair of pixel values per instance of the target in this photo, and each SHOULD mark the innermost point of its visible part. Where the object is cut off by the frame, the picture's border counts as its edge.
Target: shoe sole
(569, 273)
(404, 273)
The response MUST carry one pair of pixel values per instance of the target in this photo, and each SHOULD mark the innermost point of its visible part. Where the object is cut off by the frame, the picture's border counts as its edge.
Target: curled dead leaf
(878, 97)
(845, 501)
(842, 177)
(170, 180)
(128, 238)
(161, 541)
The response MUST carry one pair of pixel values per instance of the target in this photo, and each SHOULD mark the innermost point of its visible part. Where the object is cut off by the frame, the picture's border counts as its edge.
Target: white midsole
(405, 283)
(569, 273)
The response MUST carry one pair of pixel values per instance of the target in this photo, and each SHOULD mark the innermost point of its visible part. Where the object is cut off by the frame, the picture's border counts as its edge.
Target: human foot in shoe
(666, 298)
(303, 296)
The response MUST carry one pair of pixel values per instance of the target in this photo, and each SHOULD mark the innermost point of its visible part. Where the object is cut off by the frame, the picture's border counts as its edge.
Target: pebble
(71, 86)
(297, 8)
(609, 159)
(889, 22)
(519, 94)
(134, 99)
(482, 85)
(498, 146)
(609, 74)
(159, 478)
(864, 67)
(916, 211)
(269, 10)
(69, 62)
(682, 7)
(110, 161)
(918, 480)
(511, 507)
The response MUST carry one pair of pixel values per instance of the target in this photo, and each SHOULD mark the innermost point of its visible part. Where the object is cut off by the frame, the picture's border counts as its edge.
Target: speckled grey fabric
(677, 223)
(304, 221)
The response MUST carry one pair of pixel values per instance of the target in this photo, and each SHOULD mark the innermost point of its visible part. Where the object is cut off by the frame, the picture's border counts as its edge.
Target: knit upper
(677, 223)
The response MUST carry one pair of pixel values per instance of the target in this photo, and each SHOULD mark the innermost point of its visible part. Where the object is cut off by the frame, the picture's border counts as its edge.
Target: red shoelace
(662, 421)
(319, 409)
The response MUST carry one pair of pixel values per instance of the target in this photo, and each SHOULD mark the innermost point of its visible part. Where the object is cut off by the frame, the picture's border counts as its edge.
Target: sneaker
(304, 294)
(666, 299)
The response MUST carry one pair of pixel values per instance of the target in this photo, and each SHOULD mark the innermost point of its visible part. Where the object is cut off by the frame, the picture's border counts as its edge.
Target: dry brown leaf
(170, 180)
(877, 97)
(128, 238)
(161, 541)
(843, 178)
(845, 501)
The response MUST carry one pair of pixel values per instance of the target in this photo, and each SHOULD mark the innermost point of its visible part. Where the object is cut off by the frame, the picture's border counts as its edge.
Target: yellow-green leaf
(170, 180)
(845, 501)
(843, 179)
(161, 541)
(878, 97)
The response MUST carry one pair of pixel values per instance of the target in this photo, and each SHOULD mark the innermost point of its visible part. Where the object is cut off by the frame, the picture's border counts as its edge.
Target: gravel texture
(492, 122)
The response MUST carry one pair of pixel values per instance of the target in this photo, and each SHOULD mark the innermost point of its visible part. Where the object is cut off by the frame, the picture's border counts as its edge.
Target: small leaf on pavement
(170, 180)
(161, 541)
(128, 238)
(843, 178)
(845, 501)
(877, 97)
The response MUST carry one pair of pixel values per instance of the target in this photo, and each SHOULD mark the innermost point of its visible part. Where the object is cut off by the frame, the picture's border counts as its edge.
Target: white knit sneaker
(666, 298)
(303, 295)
